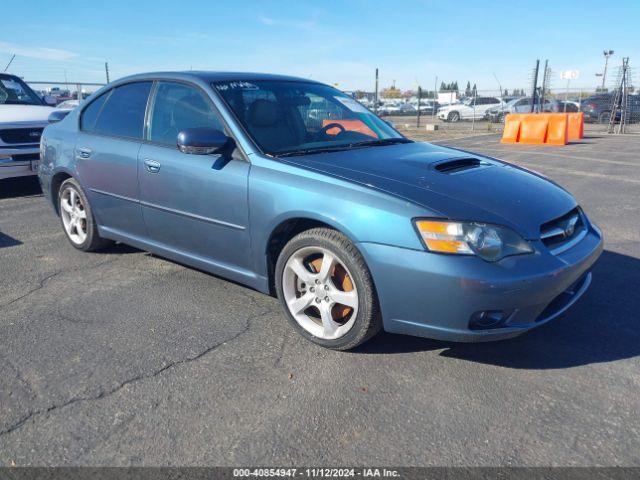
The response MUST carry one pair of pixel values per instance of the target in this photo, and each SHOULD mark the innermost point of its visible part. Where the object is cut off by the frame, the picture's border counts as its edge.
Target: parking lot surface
(124, 358)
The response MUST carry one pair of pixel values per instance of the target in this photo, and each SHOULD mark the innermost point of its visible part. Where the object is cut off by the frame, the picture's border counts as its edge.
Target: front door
(106, 156)
(195, 205)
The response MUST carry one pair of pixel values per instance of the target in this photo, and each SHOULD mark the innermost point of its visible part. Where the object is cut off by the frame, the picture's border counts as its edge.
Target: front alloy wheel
(326, 289)
(320, 293)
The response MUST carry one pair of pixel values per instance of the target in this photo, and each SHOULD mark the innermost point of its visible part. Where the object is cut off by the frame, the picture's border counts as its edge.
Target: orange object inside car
(350, 125)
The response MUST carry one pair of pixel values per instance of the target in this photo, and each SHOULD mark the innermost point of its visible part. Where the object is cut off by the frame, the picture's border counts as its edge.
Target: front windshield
(291, 117)
(14, 91)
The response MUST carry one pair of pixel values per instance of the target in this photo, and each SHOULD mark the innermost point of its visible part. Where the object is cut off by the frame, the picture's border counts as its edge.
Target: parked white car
(23, 116)
(68, 105)
(389, 109)
(426, 105)
(468, 109)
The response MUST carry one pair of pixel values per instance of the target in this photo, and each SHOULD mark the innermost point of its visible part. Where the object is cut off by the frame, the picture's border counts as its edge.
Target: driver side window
(177, 107)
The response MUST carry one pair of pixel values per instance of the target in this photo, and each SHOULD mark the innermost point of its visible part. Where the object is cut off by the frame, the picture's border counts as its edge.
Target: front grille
(21, 135)
(26, 157)
(562, 231)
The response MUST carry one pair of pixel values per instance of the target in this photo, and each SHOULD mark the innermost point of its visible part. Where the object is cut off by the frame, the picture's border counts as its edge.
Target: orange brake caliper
(342, 280)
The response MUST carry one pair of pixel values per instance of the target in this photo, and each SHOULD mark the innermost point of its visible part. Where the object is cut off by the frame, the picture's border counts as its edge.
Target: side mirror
(57, 115)
(202, 141)
(49, 100)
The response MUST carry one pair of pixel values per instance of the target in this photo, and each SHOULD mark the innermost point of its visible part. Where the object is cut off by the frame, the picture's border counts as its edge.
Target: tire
(79, 219)
(453, 117)
(355, 324)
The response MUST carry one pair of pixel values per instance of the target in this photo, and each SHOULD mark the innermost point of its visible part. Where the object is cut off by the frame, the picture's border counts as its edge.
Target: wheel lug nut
(312, 289)
(317, 300)
(326, 299)
(317, 282)
(326, 287)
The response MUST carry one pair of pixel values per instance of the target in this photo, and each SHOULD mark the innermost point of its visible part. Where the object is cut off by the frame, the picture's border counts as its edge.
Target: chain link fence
(64, 94)
(451, 113)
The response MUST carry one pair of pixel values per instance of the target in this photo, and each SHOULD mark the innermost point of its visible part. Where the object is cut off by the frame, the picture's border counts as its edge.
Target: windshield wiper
(347, 146)
(309, 151)
(381, 142)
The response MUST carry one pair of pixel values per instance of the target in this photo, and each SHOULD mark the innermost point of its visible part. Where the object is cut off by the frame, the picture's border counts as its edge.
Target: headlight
(489, 242)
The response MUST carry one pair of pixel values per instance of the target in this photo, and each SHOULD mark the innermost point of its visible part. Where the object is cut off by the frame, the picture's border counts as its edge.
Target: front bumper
(19, 161)
(435, 295)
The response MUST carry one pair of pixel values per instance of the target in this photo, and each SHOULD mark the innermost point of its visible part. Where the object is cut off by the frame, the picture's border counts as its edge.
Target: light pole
(607, 54)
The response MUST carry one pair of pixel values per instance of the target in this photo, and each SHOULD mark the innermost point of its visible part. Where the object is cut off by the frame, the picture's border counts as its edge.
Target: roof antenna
(499, 84)
(10, 61)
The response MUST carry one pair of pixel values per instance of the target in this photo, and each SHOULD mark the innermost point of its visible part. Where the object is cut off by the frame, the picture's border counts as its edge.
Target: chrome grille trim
(567, 245)
(564, 232)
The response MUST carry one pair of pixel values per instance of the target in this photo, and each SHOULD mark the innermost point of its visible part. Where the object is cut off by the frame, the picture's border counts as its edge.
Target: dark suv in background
(597, 108)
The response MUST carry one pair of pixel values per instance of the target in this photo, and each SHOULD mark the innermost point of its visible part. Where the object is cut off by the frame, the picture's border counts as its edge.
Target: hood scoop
(457, 165)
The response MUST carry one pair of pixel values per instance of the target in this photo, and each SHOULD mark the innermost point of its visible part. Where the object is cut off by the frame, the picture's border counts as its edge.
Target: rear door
(193, 204)
(111, 130)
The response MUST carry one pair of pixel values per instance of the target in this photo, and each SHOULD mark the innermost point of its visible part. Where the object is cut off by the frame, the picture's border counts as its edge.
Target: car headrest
(263, 113)
(299, 101)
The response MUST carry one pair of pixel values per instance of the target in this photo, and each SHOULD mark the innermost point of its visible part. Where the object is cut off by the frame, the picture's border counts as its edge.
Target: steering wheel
(323, 131)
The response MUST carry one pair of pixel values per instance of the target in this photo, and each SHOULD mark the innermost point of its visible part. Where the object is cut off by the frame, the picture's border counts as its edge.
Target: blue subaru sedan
(295, 189)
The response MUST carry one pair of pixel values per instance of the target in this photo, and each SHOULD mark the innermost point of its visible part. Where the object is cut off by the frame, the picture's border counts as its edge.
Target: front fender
(279, 192)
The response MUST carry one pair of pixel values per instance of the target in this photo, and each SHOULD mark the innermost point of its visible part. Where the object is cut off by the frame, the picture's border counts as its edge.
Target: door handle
(152, 165)
(83, 153)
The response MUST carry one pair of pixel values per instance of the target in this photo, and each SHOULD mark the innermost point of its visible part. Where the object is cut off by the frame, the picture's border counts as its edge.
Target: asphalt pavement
(124, 358)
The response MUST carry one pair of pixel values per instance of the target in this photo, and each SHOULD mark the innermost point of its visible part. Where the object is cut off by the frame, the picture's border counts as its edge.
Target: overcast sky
(337, 42)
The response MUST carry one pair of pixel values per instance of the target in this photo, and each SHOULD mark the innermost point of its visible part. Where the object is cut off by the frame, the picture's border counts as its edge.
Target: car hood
(24, 113)
(493, 192)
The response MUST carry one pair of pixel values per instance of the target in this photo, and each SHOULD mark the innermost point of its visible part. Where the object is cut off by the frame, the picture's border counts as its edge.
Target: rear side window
(90, 114)
(123, 113)
(176, 108)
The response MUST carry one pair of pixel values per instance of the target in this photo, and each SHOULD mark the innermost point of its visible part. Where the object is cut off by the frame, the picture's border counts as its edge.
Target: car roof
(211, 76)
(8, 75)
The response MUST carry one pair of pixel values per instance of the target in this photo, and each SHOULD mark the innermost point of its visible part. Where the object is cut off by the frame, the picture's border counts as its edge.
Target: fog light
(488, 319)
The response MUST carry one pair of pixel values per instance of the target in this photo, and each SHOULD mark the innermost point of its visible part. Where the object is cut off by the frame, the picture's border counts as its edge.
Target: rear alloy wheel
(326, 289)
(453, 117)
(76, 217)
